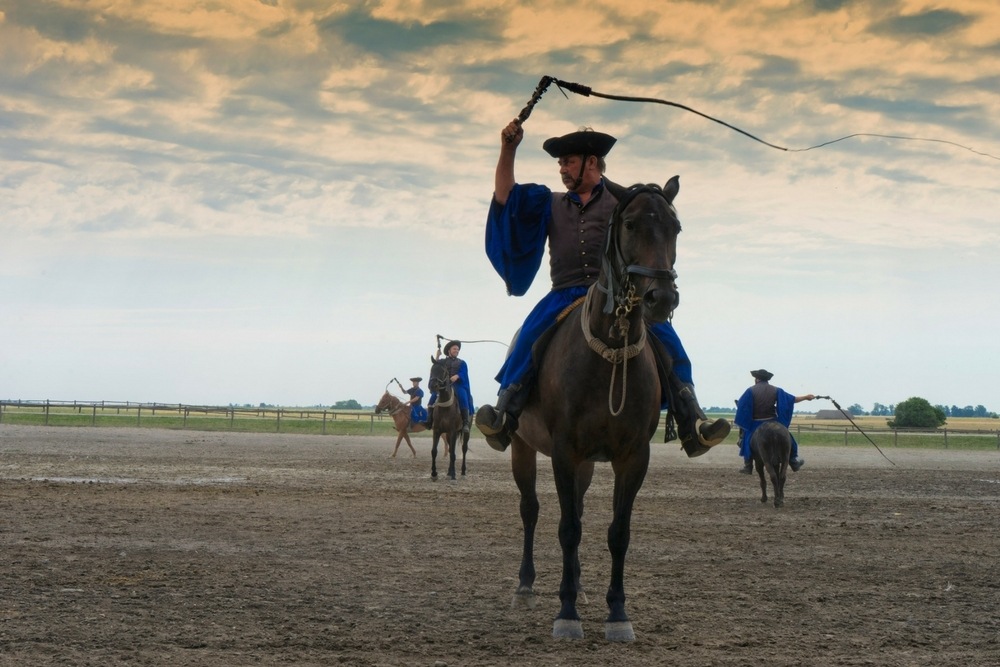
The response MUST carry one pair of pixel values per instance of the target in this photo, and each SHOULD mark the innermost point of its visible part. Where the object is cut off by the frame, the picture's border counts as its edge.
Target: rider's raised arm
(503, 181)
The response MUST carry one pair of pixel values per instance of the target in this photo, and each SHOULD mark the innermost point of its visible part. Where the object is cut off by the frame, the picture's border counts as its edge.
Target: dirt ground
(151, 547)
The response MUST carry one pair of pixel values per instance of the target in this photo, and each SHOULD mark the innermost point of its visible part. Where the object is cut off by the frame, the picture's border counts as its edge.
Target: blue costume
(516, 235)
(456, 366)
(418, 413)
(784, 406)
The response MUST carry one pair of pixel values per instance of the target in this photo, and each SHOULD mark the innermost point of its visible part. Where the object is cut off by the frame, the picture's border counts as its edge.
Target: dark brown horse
(771, 446)
(400, 413)
(598, 398)
(447, 418)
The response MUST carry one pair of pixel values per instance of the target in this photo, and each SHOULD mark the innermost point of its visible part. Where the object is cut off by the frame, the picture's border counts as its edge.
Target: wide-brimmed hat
(451, 344)
(761, 374)
(585, 142)
(416, 379)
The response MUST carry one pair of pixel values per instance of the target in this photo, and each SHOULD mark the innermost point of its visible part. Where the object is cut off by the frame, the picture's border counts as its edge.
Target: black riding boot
(499, 424)
(466, 422)
(697, 433)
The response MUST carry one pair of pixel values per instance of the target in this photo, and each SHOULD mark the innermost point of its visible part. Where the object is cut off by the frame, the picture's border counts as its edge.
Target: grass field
(959, 433)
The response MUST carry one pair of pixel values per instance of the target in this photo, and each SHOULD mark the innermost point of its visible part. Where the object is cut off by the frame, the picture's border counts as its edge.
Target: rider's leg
(794, 461)
(499, 423)
(430, 410)
(697, 433)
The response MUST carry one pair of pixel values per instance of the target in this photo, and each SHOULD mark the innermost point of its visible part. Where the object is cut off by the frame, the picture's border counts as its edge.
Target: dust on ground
(158, 547)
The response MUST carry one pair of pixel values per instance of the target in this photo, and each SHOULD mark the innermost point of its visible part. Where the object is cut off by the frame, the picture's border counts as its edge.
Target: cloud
(931, 23)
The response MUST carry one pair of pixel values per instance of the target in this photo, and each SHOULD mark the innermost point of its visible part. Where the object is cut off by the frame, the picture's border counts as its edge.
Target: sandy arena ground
(149, 547)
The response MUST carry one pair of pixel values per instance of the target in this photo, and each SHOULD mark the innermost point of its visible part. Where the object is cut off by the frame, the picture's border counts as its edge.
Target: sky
(283, 201)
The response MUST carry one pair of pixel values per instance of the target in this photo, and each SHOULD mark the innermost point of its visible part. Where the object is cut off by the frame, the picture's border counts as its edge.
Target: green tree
(856, 410)
(349, 404)
(917, 412)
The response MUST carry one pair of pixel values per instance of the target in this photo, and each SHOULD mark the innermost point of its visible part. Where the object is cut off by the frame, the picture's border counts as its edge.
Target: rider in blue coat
(418, 413)
(764, 402)
(458, 370)
(521, 220)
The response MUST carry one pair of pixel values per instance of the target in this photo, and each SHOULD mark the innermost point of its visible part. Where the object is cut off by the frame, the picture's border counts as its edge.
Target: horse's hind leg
(524, 466)
(763, 482)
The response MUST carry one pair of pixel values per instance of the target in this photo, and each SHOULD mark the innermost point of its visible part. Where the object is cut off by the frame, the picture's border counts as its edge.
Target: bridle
(621, 295)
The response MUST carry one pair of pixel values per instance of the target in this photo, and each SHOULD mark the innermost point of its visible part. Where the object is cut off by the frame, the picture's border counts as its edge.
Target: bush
(917, 412)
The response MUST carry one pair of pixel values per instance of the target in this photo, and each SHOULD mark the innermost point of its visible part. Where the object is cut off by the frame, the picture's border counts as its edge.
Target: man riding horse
(522, 217)
(458, 371)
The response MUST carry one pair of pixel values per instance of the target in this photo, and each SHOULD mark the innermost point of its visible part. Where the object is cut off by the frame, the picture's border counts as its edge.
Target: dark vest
(765, 398)
(576, 238)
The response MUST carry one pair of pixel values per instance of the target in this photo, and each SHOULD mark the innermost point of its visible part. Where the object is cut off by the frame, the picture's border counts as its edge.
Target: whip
(587, 91)
(848, 415)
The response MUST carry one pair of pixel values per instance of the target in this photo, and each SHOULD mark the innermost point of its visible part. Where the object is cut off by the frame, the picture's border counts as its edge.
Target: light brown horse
(400, 413)
(597, 398)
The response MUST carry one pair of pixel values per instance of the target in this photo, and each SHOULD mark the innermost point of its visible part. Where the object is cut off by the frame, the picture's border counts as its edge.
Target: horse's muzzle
(658, 303)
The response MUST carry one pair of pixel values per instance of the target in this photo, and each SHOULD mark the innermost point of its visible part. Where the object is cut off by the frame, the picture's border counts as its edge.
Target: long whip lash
(848, 415)
(587, 91)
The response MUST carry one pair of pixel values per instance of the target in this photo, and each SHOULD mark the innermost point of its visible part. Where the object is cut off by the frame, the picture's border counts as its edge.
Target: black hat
(452, 343)
(761, 374)
(585, 142)
(416, 379)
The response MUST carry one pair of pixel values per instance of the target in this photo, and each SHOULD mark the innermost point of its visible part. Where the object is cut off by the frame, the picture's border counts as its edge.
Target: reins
(613, 355)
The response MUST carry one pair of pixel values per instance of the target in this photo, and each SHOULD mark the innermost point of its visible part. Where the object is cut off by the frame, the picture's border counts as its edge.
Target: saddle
(669, 383)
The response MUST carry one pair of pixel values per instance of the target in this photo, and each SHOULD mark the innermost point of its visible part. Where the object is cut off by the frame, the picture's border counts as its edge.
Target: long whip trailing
(848, 415)
(587, 91)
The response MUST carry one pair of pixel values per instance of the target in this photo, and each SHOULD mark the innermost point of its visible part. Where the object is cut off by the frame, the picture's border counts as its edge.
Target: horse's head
(384, 403)
(438, 380)
(638, 263)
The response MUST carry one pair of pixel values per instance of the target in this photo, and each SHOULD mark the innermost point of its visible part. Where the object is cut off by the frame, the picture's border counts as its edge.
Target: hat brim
(579, 143)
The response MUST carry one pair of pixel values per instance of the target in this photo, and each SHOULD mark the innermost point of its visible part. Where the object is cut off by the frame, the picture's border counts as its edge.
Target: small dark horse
(598, 398)
(447, 418)
(771, 446)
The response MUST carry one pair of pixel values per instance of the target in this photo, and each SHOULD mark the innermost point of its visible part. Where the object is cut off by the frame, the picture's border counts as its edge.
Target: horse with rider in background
(407, 417)
(448, 421)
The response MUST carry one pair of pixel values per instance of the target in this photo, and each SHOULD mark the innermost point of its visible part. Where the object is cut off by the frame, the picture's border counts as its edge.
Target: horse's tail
(774, 443)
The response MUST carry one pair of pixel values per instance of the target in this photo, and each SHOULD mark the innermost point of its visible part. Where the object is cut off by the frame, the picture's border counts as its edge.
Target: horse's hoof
(619, 631)
(524, 598)
(764, 499)
(567, 629)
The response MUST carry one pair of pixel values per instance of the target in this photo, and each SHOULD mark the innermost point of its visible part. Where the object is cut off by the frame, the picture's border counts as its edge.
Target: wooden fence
(127, 410)
(50, 409)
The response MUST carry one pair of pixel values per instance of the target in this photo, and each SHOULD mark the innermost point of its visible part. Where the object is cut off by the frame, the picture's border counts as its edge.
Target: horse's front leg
(629, 475)
(524, 466)
(465, 450)
(452, 441)
(567, 623)
(434, 454)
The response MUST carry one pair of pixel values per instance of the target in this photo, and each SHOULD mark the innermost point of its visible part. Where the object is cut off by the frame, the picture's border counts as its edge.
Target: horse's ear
(617, 190)
(671, 189)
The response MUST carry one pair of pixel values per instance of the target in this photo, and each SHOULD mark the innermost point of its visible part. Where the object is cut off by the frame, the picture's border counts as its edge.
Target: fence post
(324, 422)
(946, 438)
(138, 415)
(278, 427)
(93, 414)
(46, 412)
(845, 437)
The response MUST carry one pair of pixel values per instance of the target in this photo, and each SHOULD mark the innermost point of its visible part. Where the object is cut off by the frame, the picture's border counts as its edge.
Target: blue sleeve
(785, 407)
(516, 233)
(744, 411)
